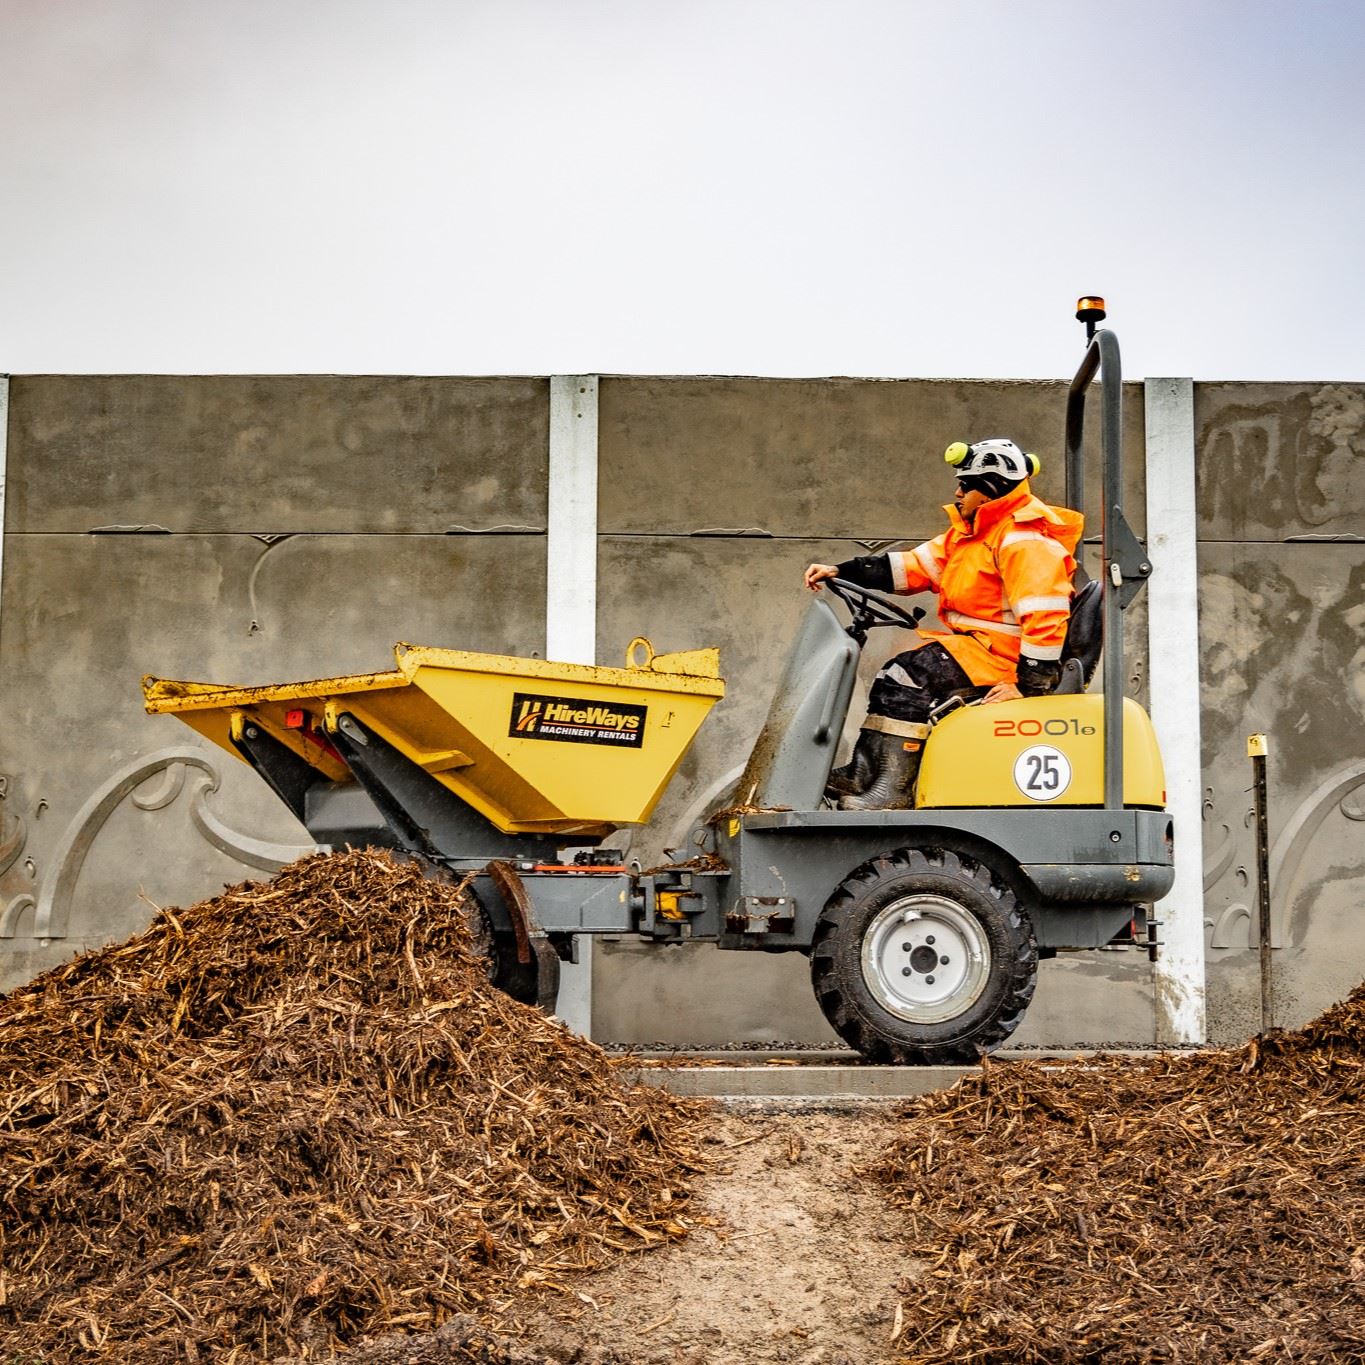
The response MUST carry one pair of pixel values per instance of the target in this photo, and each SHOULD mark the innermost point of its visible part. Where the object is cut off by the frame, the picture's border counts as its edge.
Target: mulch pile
(296, 1114)
(1204, 1207)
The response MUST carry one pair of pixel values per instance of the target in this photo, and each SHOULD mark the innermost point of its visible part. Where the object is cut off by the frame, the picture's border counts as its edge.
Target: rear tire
(924, 957)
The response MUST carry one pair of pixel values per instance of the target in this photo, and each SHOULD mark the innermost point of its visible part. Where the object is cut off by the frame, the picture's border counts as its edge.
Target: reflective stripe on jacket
(1003, 582)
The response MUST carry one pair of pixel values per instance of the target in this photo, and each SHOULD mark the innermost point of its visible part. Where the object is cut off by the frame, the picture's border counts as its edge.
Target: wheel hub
(925, 958)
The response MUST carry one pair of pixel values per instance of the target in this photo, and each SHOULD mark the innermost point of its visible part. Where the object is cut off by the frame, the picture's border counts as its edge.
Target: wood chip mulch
(1201, 1207)
(296, 1114)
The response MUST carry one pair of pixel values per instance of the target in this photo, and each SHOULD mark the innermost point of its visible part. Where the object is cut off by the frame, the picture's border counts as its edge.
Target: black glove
(1037, 677)
(868, 571)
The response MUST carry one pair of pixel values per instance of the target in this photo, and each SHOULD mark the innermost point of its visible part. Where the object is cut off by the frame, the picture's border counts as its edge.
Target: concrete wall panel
(818, 457)
(277, 454)
(811, 470)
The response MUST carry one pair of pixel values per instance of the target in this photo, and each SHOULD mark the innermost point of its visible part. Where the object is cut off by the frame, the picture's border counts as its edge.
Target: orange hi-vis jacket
(1003, 582)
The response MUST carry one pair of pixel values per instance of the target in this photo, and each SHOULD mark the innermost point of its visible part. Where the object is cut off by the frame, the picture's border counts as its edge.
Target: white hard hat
(997, 455)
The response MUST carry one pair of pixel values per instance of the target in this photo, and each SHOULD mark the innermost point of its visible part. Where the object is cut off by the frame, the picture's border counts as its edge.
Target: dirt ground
(795, 1260)
(800, 1266)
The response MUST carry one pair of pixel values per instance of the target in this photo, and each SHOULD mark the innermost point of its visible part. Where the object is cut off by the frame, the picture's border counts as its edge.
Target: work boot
(855, 776)
(893, 781)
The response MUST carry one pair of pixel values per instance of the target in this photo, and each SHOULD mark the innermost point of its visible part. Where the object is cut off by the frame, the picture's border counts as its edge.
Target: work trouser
(908, 687)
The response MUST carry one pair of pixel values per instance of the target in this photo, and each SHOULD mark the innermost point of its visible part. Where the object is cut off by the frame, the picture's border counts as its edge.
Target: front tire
(924, 957)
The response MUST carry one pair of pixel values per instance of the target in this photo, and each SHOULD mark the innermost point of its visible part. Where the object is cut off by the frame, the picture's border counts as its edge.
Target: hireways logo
(574, 720)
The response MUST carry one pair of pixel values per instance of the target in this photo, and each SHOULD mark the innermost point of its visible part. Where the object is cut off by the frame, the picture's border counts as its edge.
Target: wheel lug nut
(943, 962)
(906, 947)
(929, 939)
(909, 971)
(929, 979)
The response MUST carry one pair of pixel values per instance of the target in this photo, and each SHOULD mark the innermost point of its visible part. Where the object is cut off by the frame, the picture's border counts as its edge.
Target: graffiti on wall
(1297, 461)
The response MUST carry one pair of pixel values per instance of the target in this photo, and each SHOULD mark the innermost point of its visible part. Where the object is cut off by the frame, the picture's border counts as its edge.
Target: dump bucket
(535, 746)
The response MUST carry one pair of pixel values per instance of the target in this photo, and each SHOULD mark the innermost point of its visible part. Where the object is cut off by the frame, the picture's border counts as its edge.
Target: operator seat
(1084, 639)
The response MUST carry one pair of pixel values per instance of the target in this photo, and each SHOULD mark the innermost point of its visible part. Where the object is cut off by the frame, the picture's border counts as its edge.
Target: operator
(1002, 571)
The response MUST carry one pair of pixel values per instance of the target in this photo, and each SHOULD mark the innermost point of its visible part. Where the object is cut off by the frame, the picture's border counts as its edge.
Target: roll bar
(1126, 566)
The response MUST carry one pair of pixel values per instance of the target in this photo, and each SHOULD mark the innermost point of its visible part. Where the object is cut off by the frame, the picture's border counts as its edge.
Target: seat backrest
(1084, 638)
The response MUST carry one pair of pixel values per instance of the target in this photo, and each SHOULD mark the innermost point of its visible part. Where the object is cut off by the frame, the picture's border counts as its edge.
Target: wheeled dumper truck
(1038, 824)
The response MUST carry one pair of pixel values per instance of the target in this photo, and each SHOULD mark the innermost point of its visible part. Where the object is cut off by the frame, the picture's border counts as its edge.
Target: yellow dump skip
(535, 746)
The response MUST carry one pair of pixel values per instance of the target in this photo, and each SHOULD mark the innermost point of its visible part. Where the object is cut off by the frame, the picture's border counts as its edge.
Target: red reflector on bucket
(293, 720)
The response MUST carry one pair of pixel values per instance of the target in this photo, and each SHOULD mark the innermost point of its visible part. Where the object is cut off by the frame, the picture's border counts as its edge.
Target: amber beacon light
(1090, 310)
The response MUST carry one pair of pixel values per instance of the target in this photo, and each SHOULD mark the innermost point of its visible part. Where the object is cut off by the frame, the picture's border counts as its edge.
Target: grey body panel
(582, 903)
(565, 903)
(791, 758)
(787, 865)
(784, 867)
(1069, 863)
(341, 814)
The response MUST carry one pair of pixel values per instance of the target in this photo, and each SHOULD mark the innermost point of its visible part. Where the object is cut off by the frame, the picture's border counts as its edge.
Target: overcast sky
(681, 186)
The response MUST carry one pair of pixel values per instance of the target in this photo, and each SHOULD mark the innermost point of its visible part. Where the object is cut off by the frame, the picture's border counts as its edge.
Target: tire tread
(882, 1044)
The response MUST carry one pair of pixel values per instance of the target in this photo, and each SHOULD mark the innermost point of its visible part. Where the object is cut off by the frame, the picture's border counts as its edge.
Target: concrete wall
(288, 527)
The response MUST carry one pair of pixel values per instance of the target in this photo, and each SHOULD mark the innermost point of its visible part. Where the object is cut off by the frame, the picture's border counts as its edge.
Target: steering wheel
(870, 609)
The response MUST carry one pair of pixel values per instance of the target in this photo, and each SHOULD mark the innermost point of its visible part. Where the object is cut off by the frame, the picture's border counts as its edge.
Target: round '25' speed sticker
(1042, 772)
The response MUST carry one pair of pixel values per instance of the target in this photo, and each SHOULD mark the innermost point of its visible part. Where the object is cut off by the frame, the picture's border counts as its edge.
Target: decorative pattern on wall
(13, 830)
(1232, 928)
(52, 905)
(1235, 924)
(1288, 865)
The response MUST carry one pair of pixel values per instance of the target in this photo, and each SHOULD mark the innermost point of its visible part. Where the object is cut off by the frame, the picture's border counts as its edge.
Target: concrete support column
(1173, 634)
(571, 593)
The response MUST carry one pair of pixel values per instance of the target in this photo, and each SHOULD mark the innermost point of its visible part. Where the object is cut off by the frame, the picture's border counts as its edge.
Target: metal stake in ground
(1257, 749)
